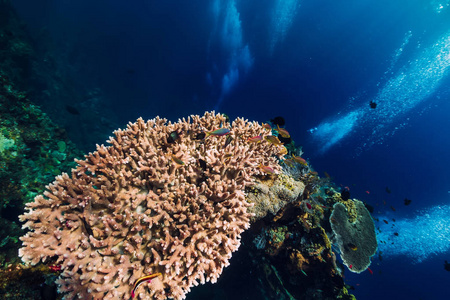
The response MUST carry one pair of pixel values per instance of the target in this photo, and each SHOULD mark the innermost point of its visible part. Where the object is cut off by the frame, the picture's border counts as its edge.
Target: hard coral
(354, 234)
(147, 204)
(269, 196)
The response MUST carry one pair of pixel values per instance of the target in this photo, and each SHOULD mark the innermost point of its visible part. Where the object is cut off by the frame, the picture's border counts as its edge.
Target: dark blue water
(316, 63)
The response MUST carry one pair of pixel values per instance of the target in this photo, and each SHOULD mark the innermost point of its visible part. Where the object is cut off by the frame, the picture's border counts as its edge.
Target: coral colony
(145, 205)
(163, 207)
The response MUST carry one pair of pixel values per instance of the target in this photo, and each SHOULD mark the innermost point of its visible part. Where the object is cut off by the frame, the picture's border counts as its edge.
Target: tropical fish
(173, 137)
(143, 279)
(200, 136)
(289, 162)
(177, 160)
(352, 246)
(71, 109)
(255, 139)
(385, 221)
(283, 132)
(388, 190)
(368, 192)
(393, 208)
(299, 160)
(447, 266)
(345, 194)
(228, 141)
(228, 155)
(266, 169)
(370, 271)
(266, 126)
(55, 268)
(278, 121)
(273, 140)
(407, 201)
(283, 151)
(350, 267)
(218, 132)
(308, 205)
(227, 118)
(202, 164)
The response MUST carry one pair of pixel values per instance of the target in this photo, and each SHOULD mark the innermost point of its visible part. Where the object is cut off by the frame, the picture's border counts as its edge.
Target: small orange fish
(266, 126)
(368, 192)
(289, 162)
(308, 205)
(255, 139)
(266, 169)
(142, 280)
(352, 246)
(350, 267)
(283, 132)
(283, 151)
(273, 140)
(370, 271)
(299, 160)
(385, 221)
(393, 208)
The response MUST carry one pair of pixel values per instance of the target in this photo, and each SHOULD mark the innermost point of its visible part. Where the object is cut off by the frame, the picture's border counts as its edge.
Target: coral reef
(29, 159)
(294, 254)
(19, 282)
(161, 198)
(272, 194)
(150, 203)
(355, 235)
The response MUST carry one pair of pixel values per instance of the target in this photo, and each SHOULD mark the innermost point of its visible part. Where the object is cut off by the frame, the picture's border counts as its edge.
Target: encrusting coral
(269, 196)
(163, 198)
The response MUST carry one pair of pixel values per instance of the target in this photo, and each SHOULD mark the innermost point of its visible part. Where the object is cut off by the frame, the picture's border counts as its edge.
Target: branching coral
(161, 198)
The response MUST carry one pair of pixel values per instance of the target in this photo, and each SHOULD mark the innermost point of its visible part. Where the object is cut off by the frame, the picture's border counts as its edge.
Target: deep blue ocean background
(316, 63)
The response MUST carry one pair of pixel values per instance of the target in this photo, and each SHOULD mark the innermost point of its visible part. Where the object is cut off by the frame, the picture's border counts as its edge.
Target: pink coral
(147, 204)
